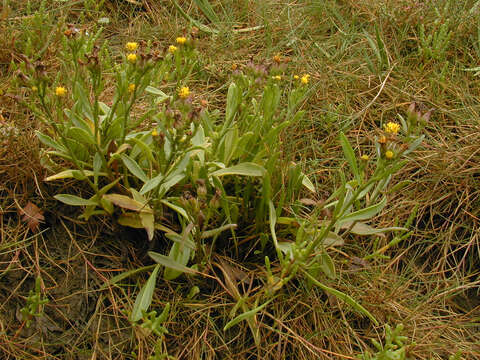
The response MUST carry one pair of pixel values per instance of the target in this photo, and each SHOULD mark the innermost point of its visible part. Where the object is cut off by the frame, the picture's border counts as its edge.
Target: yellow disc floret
(184, 92)
(131, 88)
(132, 58)
(131, 46)
(155, 132)
(172, 49)
(277, 77)
(389, 154)
(364, 157)
(181, 40)
(391, 127)
(60, 91)
(305, 79)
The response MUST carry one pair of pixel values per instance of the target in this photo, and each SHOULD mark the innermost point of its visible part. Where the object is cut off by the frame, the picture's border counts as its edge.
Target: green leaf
(364, 214)
(155, 91)
(126, 202)
(333, 239)
(363, 229)
(307, 183)
(151, 184)
(144, 297)
(234, 97)
(342, 296)
(180, 254)
(81, 135)
(47, 140)
(245, 169)
(214, 232)
(67, 174)
(133, 220)
(245, 316)
(134, 168)
(350, 156)
(176, 208)
(327, 265)
(148, 222)
(124, 275)
(74, 200)
(170, 263)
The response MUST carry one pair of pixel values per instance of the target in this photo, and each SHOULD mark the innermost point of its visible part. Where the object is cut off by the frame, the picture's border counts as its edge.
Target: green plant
(394, 347)
(378, 47)
(197, 176)
(35, 303)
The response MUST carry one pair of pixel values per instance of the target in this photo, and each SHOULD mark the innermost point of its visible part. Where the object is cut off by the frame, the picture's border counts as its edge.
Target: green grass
(368, 63)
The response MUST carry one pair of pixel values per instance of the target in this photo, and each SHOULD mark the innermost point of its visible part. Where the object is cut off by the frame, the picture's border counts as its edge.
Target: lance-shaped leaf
(144, 297)
(364, 214)
(245, 169)
(74, 200)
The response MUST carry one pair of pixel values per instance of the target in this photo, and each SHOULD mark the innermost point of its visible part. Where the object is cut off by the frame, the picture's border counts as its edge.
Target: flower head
(364, 157)
(184, 92)
(305, 79)
(181, 40)
(296, 77)
(155, 132)
(131, 88)
(172, 49)
(391, 127)
(131, 46)
(132, 58)
(277, 77)
(60, 91)
(389, 154)
(34, 88)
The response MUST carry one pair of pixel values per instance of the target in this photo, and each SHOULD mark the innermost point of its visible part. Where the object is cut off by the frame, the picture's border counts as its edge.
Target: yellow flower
(234, 67)
(131, 88)
(296, 77)
(305, 79)
(181, 40)
(391, 127)
(184, 92)
(131, 46)
(132, 58)
(364, 157)
(172, 49)
(389, 154)
(60, 91)
(34, 88)
(277, 77)
(155, 132)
